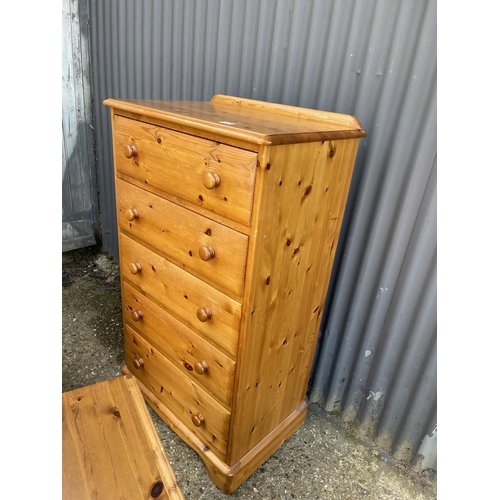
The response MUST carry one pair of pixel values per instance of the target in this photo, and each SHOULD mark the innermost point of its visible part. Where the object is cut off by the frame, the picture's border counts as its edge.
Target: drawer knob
(206, 253)
(204, 314)
(138, 363)
(135, 267)
(211, 180)
(131, 214)
(201, 367)
(137, 315)
(129, 150)
(198, 419)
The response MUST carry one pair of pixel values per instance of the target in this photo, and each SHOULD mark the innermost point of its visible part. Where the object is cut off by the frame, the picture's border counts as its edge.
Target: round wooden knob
(197, 419)
(211, 180)
(206, 253)
(135, 267)
(201, 367)
(137, 315)
(129, 150)
(138, 363)
(204, 314)
(131, 214)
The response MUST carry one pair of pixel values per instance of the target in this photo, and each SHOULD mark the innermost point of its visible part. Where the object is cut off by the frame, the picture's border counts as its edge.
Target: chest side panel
(302, 193)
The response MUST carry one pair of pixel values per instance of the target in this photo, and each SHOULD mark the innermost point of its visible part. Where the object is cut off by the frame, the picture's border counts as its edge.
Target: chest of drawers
(229, 213)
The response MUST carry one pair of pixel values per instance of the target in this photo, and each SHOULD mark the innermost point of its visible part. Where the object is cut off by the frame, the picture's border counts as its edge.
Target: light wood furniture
(229, 213)
(110, 448)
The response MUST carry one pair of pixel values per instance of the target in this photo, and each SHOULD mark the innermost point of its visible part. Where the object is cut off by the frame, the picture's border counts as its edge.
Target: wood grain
(178, 392)
(298, 211)
(184, 348)
(254, 292)
(180, 233)
(181, 294)
(228, 479)
(291, 113)
(178, 163)
(110, 448)
(233, 118)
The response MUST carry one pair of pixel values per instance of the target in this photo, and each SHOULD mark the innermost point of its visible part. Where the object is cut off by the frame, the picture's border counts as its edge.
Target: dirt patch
(92, 340)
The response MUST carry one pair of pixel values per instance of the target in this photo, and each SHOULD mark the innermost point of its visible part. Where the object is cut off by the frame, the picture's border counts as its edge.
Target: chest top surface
(254, 121)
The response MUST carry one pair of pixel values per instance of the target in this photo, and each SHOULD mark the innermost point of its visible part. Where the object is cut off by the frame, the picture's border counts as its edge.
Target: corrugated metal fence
(376, 359)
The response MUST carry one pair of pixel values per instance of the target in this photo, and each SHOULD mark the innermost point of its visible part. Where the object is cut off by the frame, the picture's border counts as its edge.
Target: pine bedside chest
(229, 213)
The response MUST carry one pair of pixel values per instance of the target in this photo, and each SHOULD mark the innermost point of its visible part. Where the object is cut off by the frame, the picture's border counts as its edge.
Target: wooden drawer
(187, 399)
(187, 167)
(185, 236)
(181, 293)
(193, 355)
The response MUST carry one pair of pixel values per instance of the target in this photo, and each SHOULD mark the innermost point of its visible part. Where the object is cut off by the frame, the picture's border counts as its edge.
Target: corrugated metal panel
(375, 60)
(79, 182)
(380, 330)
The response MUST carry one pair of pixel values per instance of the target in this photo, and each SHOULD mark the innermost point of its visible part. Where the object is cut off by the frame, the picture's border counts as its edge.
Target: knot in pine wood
(156, 489)
(307, 190)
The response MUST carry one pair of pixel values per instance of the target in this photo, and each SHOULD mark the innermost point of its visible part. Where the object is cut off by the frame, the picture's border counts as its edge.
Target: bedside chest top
(249, 120)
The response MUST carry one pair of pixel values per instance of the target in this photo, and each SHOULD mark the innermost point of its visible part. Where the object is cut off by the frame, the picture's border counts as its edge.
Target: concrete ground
(322, 460)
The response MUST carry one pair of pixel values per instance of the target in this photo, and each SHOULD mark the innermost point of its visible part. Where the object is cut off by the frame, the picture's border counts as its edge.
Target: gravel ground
(322, 460)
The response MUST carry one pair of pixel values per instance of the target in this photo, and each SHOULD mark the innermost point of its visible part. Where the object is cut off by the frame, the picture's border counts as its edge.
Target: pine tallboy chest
(229, 213)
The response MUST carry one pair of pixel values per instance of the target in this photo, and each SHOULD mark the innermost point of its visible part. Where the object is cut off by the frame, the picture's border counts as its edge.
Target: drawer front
(182, 396)
(194, 356)
(200, 244)
(182, 294)
(215, 176)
